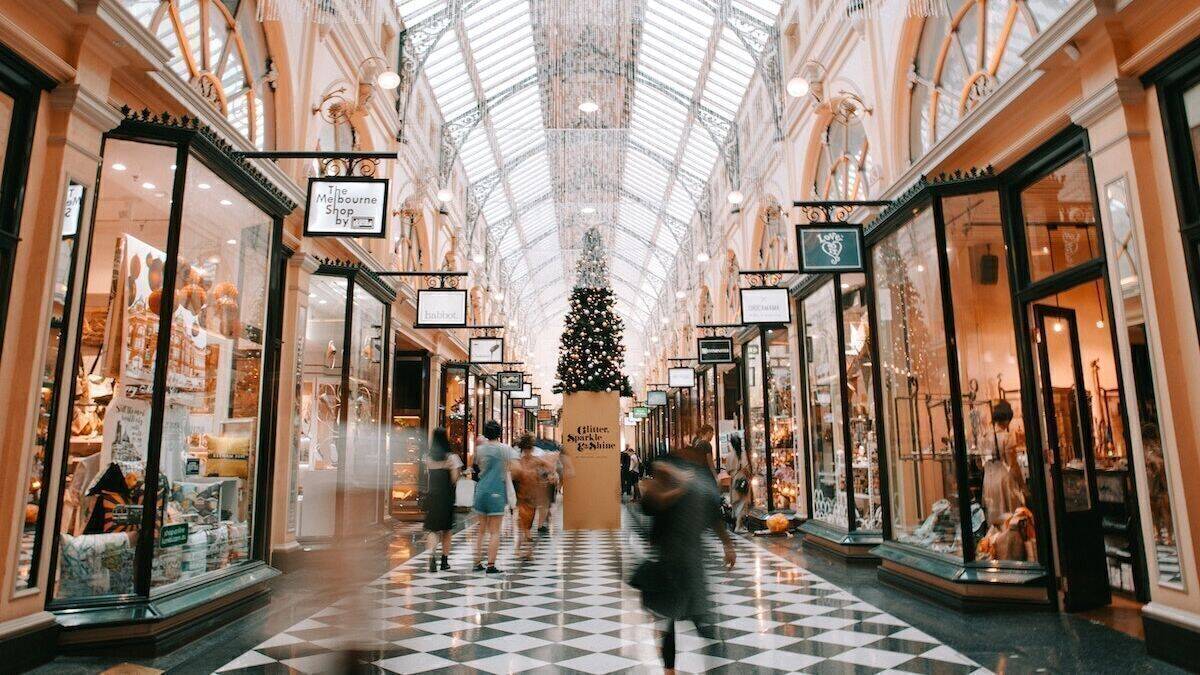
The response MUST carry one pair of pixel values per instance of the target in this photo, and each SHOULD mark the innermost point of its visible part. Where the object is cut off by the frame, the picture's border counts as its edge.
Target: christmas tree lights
(591, 354)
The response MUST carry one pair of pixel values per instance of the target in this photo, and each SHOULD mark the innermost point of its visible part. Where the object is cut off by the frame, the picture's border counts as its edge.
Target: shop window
(964, 54)
(454, 408)
(844, 164)
(756, 424)
(218, 48)
(989, 377)
(46, 423)
(826, 438)
(1132, 307)
(1060, 220)
(916, 405)
(860, 403)
(190, 451)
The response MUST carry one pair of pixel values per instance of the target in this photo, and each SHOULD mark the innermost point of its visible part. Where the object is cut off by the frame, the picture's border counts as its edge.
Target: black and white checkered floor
(569, 610)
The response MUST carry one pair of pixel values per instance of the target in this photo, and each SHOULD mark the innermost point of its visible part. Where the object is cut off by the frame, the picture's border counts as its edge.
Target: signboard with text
(715, 350)
(441, 308)
(487, 350)
(346, 206)
(534, 402)
(523, 393)
(510, 380)
(766, 306)
(683, 378)
(640, 412)
(656, 398)
(830, 247)
(72, 210)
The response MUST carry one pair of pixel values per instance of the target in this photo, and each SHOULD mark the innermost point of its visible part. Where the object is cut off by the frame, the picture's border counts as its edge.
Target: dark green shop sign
(640, 412)
(173, 535)
(830, 247)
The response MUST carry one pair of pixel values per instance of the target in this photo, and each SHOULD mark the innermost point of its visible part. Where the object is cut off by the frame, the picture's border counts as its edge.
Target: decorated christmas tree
(591, 355)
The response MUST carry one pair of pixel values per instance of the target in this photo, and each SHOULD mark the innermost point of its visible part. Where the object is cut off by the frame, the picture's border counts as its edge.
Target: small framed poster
(441, 308)
(346, 206)
(523, 393)
(510, 380)
(72, 210)
(656, 398)
(533, 402)
(683, 378)
(640, 412)
(486, 350)
(830, 247)
(768, 306)
(715, 350)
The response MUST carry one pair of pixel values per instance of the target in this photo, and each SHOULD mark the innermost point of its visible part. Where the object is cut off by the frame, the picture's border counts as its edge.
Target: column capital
(1107, 99)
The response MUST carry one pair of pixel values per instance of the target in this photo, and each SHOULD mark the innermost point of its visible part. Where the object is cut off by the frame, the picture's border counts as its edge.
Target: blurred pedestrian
(741, 474)
(626, 478)
(491, 494)
(531, 478)
(683, 499)
(443, 468)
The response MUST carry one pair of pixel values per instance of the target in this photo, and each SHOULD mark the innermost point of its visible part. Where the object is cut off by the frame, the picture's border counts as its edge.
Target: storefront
(1007, 462)
(838, 377)
(409, 432)
(454, 408)
(765, 360)
(164, 501)
(343, 472)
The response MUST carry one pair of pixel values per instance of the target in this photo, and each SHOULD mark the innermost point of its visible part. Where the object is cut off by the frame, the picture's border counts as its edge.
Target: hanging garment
(1001, 494)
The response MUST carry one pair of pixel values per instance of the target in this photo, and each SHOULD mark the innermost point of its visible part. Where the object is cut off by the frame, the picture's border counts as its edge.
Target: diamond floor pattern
(569, 610)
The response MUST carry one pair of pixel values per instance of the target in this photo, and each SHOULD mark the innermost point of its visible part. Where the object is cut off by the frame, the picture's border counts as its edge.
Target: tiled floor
(569, 611)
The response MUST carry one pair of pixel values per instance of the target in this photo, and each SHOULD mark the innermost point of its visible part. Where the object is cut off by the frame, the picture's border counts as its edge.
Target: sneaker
(479, 567)
(492, 569)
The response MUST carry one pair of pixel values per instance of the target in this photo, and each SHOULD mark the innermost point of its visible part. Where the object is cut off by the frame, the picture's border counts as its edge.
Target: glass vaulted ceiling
(548, 170)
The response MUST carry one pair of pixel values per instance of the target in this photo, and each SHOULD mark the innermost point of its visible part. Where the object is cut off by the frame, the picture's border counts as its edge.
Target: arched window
(964, 55)
(217, 47)
(843, 168)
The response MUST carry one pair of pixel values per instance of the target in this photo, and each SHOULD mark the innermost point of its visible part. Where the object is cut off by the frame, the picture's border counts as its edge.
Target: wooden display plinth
(592, 439)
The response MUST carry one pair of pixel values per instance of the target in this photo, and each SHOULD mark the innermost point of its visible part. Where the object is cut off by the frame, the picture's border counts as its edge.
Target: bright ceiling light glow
(588, 106)
(204, 186)
(588, 210)
(680, 294)
(148, 186)
(478, 256)
(226, 202)
(231, 242)
(798, 86)
(388, 79)
(445, 195)
(736, 197)
(702, 256)
(118, 166)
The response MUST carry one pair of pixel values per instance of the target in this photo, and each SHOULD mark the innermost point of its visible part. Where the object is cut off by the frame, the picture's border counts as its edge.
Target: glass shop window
(1060, 220)
(109, 433)
(756, 425)
(860, 403)
(781, 420)
(916, 401)
(825, 431)
(210, 437)
(997, 456)
(366, 471)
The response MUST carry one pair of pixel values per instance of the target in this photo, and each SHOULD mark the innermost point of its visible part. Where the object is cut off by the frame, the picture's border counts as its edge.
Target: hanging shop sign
(533, 402)
(510, 381)
(441, 308)
(487, 350)
(346, 206)
(656, 398)
(766, 306)
(523, 393)
(546, 415)
(715, 350)
(640, 412)
(830, 247)
(72, 210)
(683, 378)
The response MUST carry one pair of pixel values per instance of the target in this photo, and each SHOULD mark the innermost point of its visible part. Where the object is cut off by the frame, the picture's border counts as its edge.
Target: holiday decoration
(591, 355)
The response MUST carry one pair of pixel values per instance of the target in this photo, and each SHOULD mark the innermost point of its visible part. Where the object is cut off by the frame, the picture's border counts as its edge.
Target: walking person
(635, 475)
(531, 478)
(626, 478)
(740, 475)
(443, 468)
(491, 494)
(684, 502)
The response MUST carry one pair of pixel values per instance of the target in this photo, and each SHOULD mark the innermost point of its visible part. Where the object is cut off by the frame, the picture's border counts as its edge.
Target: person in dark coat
(443, 468)
(626, 476)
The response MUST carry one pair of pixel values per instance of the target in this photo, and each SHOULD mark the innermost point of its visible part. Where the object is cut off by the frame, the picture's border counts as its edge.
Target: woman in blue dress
(491, 493)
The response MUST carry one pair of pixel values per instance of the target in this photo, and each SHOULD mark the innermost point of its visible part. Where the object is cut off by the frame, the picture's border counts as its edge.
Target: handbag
(464, 493)
(510, 490)
(660, 590)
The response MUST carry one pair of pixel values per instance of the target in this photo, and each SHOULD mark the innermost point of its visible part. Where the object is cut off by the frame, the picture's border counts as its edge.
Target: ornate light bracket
(332, 163)
(835, 211)
(718, 329)
(433, 279)
(765, 278)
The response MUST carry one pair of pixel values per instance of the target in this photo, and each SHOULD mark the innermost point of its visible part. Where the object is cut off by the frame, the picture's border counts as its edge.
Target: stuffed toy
(227, 311)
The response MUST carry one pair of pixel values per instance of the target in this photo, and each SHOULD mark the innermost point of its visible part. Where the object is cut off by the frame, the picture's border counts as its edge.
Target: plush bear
(227, 311)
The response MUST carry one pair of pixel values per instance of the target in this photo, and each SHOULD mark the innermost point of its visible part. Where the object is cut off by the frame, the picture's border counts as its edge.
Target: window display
(454, 414)
(989, 379)
(1060, 220)
(922, 464)
(756, 423)
(823, 386)
(165, 427)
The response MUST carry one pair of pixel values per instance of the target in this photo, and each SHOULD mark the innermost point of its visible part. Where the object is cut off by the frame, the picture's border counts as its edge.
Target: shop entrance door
(1069, 451)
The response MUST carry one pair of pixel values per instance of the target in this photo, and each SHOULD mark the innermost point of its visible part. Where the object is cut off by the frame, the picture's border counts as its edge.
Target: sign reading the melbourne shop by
(346, 206)
(441, 308)
(766, 306)
(715, 350)
(830, 247)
